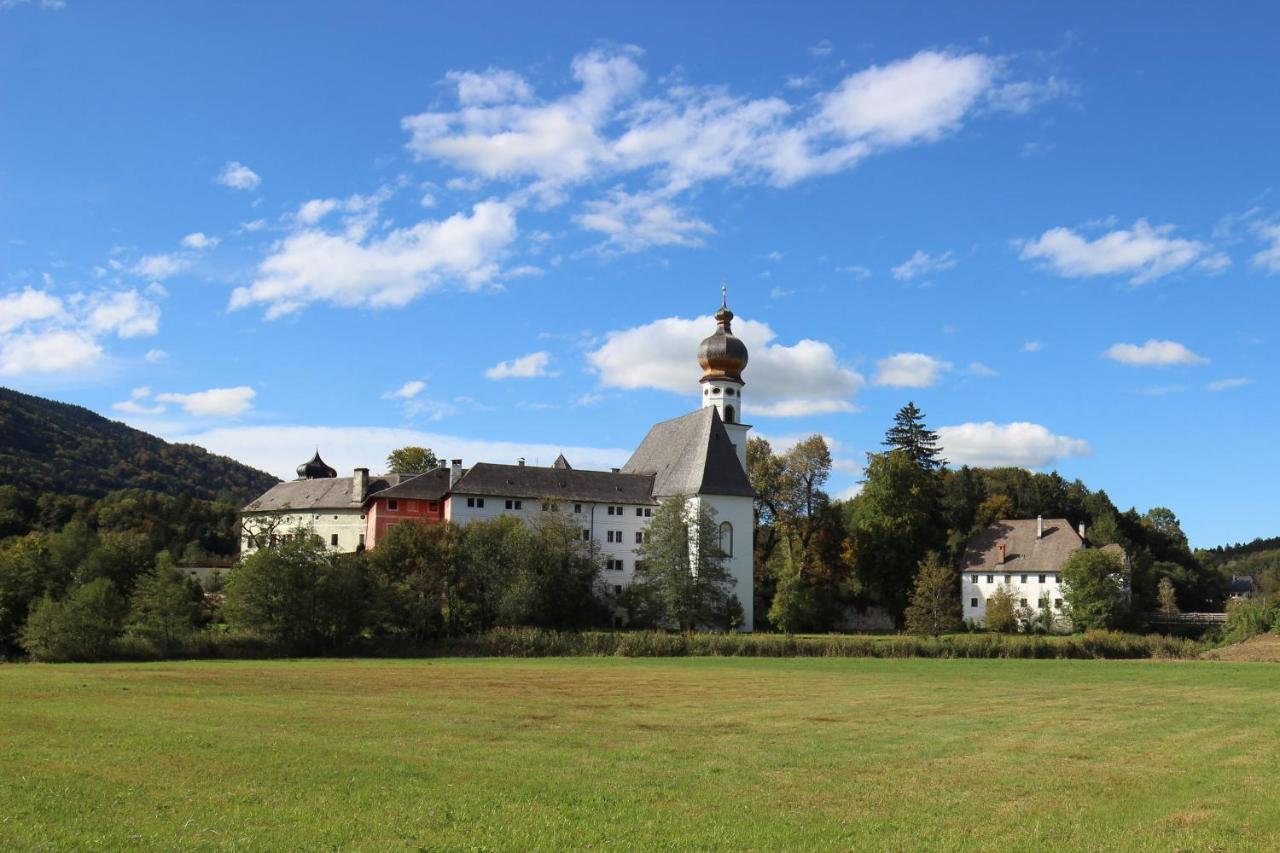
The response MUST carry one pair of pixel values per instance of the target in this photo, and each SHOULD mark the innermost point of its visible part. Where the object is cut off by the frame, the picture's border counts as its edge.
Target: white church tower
(723, 357)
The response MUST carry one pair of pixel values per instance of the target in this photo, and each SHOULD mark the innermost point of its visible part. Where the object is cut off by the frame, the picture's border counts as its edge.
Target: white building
(700, 456)
(1026, 556)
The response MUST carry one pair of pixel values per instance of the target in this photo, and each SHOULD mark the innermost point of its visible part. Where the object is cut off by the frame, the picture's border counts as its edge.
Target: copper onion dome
(723, 355)
(315, 469)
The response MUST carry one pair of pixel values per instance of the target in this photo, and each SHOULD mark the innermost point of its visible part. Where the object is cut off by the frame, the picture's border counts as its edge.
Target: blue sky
(501, 231)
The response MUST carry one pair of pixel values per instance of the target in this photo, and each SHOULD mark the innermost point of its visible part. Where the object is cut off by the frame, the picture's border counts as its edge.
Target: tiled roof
(529, 481)
(1023, 551)
(430, 486)
(691, 455)
(322, 493)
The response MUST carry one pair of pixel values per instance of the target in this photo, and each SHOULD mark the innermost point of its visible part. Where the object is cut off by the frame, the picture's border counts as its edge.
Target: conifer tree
(935, 601)
(910, 435)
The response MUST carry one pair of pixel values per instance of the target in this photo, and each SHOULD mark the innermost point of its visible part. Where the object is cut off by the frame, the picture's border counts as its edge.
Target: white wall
(1031, 589)
(738, 511)
(347, 524)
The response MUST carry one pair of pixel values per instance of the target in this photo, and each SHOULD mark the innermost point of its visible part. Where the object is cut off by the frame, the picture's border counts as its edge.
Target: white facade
(739, 514)
(338, 529)
(1028, 588)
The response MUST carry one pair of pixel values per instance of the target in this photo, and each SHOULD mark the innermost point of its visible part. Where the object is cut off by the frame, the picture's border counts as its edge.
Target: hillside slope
(47, 446)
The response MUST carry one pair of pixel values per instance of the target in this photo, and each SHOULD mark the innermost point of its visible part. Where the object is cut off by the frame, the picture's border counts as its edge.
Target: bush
(80, 627)
(1250, 617)
(1001, 615)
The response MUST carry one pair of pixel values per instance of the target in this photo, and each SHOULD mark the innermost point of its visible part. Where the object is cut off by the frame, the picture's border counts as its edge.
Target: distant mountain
(47, 446)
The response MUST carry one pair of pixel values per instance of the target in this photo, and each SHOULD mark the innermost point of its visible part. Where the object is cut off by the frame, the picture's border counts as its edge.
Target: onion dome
(723, 355)
(315, 469)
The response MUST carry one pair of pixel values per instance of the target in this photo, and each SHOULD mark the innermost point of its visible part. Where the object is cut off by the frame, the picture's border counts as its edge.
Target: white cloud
(1215, 264)
(494, 86)
(977, 368)
(1023, 445)
(909, 370)
(1032, 346)
(311, 212)
(28, 306)
(238, 176)
(635, 222)
(42, 333)
(391, 270)
(822, 48)
(155, 356)
(782, 381)
(524, 367)
(915, 100)
(922, 263)
(216, 402)
(53, 351)
(859, 272)
(1227, 384)
(136, 404)
(200, 240)
(407, 391)
(279, 449)
(161, 266)
(685, 133)
(1269, 258)
(1145, 252)
(1153, 354)
(123, 313)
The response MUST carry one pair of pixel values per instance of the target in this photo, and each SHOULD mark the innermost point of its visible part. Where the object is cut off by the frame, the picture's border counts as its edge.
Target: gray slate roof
(430, 486)
(569, 484)
(691, 455)
(1023, 552)
(322, 493)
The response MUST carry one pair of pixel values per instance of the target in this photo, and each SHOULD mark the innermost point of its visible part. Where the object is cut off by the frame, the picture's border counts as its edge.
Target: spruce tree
(910, 435)
(935, 601)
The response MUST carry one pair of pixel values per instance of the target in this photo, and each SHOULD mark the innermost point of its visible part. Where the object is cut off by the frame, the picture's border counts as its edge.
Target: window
(973, 578)
(333, 540)
(610, 510)
(1057, 604)
(639, 512)
(480, 502)
(1008, 578)
(728, 392)
(617, 589)
(639, 566)
(515, 504)
(648, 512)
(991, 578)
(393, 505)
(361, 545)
(1024, 579)
(1042, 579)
(1022, 602)
(586, 535)
(729, 415)
(613, 565)
(726, 538)
(973, 602)
(475, 503)
(434, 506)
(641, 537)
(550, 506)
(577, 508)
(619, 509)
(471, 502)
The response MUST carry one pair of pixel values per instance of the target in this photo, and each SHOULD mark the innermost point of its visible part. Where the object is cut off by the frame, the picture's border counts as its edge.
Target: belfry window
(729, 415)
(726, 538)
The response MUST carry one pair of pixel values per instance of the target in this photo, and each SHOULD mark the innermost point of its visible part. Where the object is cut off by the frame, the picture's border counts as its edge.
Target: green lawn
(706, 753)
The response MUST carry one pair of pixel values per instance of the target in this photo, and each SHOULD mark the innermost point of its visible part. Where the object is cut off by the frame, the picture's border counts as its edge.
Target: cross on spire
(724, 292)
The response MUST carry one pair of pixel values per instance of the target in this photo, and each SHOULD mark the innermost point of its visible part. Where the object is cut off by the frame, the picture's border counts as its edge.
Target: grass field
(677, 754)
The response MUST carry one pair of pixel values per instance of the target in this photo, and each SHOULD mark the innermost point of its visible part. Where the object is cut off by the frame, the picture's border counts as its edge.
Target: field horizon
(640, 753)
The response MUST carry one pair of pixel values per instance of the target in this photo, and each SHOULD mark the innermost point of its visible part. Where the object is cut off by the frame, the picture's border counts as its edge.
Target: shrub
(1000, 611)
(1250, 617)
(80, 627)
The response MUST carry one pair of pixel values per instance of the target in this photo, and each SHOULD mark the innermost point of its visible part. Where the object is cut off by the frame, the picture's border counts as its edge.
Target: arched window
(729, 415)
(726, 538)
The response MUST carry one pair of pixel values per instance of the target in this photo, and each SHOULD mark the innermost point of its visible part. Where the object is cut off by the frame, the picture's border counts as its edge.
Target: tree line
(423, 582)
(818, 559)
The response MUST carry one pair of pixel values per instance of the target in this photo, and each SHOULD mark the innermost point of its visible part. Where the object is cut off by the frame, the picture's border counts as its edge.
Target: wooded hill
(47, 446)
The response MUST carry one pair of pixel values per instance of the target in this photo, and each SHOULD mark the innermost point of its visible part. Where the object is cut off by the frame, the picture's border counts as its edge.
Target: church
(700, 456)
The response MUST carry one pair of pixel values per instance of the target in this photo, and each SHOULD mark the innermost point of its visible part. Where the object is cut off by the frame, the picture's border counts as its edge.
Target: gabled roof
(1023, 551)
(321, 493)
(691, 455)
(432, 485)
(529, 481)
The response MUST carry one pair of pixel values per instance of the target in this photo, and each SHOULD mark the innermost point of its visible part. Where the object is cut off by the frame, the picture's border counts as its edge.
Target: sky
(501, 230)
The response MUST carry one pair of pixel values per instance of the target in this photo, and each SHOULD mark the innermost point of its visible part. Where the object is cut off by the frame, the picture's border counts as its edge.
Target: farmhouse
(1024, 555)
(700, 456)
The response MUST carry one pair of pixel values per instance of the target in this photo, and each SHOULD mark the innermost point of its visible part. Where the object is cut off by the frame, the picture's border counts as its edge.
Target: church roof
(431, 485)
(691, 455)
(319, 493)
(568, 484)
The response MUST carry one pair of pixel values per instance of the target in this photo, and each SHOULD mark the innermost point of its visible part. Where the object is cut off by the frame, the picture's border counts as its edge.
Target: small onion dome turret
(315, 469)
(723, 355)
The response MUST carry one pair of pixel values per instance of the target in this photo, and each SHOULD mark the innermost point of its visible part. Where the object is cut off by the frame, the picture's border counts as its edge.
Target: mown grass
(687, 753)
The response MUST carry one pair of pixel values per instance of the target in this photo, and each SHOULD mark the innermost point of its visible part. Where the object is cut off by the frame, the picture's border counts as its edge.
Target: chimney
(455, 472)
(1039, 526)
(520, 461)
(1001, 547)
(359, 485)
(1082, 530)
